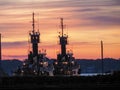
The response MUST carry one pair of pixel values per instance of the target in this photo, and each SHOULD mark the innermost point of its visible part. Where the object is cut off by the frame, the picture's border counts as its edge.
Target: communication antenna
(33, 24)
(38, 22)
(62, 27)
(29, 43)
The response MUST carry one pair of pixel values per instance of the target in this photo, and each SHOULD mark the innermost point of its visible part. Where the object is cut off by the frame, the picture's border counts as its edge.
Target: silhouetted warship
(38, 63)
(66, 63)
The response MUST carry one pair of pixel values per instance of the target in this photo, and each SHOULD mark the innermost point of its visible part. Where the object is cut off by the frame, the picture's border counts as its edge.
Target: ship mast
(34, 38)
(65, 64)
(62, 26)
(33, 22)
(63, 40)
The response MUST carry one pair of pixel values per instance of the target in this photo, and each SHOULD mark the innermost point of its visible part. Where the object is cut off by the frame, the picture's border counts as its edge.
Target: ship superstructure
(37, 62)
(66, 63)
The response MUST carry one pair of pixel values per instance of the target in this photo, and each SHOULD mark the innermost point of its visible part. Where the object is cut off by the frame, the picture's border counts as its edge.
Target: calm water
(92, 74)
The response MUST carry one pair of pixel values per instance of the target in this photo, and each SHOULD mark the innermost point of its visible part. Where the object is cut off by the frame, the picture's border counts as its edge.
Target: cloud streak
(13, 44)
(93, 18)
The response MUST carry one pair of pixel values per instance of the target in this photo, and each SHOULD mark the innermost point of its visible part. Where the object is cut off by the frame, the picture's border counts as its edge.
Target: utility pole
(0, 51)
(102, 56)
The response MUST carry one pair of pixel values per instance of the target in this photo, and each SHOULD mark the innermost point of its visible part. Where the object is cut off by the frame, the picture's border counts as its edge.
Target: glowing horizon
(87, 23)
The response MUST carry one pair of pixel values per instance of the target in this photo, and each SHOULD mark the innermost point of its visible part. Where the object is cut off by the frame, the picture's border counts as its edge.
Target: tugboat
(65, 65)
(37, 62)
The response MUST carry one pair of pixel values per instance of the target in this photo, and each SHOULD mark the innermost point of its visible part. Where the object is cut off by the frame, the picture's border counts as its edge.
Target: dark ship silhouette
(66, 63)
(38, 64)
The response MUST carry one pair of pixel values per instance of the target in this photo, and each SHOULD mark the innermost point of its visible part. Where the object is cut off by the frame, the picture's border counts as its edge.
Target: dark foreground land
(61, 82)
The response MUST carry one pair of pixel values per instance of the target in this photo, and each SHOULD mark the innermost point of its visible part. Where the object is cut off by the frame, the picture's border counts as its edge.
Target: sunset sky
(87, 22)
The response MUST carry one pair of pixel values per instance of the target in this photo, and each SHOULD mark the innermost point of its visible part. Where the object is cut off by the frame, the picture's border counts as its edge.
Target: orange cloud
(85, 23)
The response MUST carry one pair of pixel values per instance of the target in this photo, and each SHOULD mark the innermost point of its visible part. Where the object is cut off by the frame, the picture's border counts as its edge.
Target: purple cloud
(105, 20)
(14, 44)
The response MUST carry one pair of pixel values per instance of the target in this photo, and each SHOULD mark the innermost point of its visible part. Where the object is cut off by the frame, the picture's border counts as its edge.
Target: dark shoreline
(71, 82)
